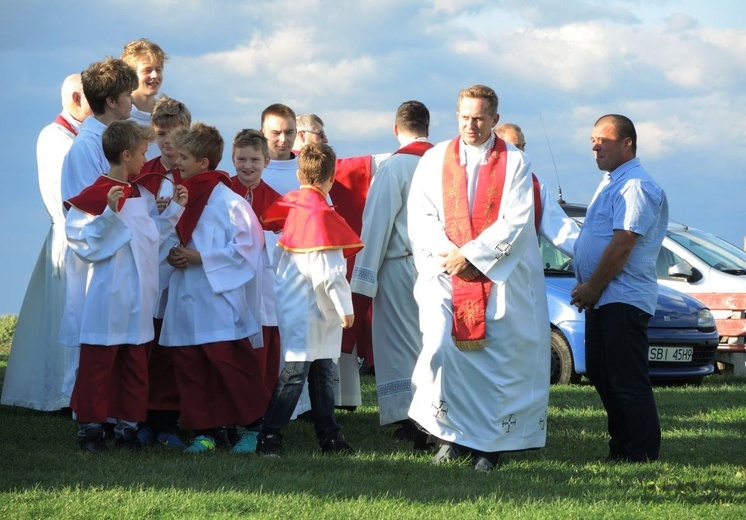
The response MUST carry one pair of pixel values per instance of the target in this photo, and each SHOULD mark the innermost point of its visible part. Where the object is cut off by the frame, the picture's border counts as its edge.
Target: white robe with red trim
(384, 270)
(37, 363)
(493, 399)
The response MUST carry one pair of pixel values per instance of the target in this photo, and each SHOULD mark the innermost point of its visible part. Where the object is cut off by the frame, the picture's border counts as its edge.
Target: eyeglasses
(320, 133)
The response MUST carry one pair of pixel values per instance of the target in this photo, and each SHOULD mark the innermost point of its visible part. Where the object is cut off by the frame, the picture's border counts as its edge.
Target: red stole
(415, 148)
(309, 224)
(470, 298)
(260, 198)
(199, 188)
(153, 173)
(94, 199)
(64, 123)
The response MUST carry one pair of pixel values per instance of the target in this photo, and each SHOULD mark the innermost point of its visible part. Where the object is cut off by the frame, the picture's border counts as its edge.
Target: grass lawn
(701, 474)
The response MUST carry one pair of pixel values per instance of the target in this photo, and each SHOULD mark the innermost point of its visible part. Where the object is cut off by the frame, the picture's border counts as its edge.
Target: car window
(553, 259)
(712, 250)
(666, 259)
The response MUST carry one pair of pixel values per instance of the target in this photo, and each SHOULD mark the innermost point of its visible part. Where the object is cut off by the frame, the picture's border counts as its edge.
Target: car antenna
(559, 187)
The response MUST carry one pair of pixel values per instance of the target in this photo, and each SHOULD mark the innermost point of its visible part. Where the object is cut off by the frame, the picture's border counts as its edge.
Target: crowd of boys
(215, 305)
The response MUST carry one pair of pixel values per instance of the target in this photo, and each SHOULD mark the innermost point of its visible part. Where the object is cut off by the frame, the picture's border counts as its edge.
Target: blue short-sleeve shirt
(628, 199)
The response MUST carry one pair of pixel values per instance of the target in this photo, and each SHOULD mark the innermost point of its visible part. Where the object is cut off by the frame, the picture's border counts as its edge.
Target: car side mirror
(685, 271)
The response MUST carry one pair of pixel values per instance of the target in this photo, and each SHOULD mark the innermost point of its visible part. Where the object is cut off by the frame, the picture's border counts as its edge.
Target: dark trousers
(616, 355)
(320, 374)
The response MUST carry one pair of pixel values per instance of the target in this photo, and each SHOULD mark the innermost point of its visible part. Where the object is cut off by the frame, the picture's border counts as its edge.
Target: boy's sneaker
(247, 443)
(170, 440)
(92, 439)
(127, 438)
(336, 444)
(146, 436)
(270, 445)
(201, 444)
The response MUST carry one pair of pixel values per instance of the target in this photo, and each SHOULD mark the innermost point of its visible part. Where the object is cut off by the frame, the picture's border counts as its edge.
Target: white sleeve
(95, 238)
(328, 275)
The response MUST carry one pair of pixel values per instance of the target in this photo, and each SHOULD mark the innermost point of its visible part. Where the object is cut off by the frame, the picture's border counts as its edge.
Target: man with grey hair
(37, 363)
(310, 129)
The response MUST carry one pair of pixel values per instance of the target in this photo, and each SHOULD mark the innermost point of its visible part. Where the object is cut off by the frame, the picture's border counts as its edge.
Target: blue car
(683, 337)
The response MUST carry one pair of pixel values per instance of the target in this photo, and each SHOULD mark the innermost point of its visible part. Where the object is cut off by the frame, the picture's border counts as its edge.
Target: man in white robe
(384, 270)
(36, 365)
(481, 383)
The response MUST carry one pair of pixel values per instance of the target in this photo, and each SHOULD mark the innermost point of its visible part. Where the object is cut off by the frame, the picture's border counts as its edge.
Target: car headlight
(705, 320)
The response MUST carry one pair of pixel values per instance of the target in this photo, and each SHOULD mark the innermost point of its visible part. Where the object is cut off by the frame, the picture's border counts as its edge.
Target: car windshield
(715, 251)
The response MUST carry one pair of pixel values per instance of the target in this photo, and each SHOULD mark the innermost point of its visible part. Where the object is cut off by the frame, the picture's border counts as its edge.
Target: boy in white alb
(147, 59)
(213, 310)
(312, 296)
(116, 227)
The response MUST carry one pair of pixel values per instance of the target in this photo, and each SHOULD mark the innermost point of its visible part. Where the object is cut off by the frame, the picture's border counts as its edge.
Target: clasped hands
(456, 264)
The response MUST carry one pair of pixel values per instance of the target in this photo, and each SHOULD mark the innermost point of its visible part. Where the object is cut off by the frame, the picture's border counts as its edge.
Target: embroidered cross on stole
(470, 297)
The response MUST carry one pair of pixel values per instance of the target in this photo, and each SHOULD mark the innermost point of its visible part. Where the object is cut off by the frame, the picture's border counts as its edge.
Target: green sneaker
(247, 444)
(201, 444)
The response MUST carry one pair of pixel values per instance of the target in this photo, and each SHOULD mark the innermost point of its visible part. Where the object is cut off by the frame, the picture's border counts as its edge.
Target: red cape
(199, 188)
(94, 198)
(308, 223)
(262, 197)
(153, 173)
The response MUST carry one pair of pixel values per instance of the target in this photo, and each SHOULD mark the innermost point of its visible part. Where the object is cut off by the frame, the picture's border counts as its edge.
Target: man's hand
(348, 320)
(584, 297)
(454, 262)
(112, 198)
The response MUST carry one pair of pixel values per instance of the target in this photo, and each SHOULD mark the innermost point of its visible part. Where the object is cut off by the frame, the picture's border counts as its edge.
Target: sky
(677, 68)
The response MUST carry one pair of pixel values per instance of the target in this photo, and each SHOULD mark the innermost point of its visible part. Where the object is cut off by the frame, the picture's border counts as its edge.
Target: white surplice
(384, 270)
(493, 399)
(219, 300)
(143, 118)
(37, 363)
(122, 250)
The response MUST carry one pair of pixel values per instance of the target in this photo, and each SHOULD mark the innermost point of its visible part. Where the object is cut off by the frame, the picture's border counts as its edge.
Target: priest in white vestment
(481, 383)
(36, 365)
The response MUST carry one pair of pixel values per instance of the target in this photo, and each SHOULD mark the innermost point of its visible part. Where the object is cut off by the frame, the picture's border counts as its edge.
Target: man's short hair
(624, 127)
(413, 117)
(124, 135)
(305, 121)
(479, 92)
(136, 50)
(107, 79)
(250, 138)
(202, 141)
(316, 163)
(279, 110)
(170, 113)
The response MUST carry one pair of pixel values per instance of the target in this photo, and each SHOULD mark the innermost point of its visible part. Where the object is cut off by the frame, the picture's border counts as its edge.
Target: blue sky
(676, 68)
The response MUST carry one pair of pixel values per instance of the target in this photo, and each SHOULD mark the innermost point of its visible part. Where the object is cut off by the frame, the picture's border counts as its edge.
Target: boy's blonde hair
(316, 163)
(249, 137)
(170, 113)
(202, 141)
(124, 135)
(138, 49)
(107, 79)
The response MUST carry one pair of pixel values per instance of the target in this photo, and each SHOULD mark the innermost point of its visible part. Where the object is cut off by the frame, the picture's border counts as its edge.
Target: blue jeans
(287, 391)
(616, 356)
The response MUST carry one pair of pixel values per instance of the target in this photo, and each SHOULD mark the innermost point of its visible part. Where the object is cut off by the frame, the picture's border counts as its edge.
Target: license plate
(671, 354)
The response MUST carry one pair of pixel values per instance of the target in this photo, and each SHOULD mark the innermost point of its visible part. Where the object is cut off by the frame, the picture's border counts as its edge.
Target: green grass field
(701, 474)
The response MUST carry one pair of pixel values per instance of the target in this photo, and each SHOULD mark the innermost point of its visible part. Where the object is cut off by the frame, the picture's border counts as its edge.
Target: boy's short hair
(279, 110)
(413, 117)
(249, 137)
(316, 163)
(202, 141)
(107, 79)
(136, 50)
(124, 135)
(169, 113)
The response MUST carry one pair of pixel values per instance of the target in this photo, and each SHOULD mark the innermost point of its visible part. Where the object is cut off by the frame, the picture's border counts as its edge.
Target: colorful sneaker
(146, 436)
(201, 444)
(247, 443)
(170, 440)
(270, 445)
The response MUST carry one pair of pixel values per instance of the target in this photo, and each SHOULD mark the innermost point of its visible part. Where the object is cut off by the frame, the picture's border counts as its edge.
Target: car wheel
(562, 370)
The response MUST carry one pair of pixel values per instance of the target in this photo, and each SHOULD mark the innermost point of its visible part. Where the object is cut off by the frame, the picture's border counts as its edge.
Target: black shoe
(222, 438)
(483, 464)
(448, 453)
(336, 444)
(92, 440)
(127, 439)
(270, 445)
(346, 408)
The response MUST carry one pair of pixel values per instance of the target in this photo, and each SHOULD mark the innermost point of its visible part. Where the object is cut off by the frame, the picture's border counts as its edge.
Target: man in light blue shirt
(615, 257)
